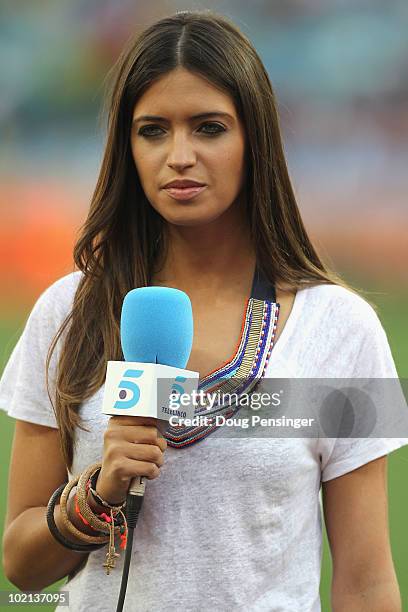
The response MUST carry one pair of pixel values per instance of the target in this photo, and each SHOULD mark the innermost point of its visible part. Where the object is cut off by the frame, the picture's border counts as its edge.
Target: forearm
(379, 597)
(33, 559)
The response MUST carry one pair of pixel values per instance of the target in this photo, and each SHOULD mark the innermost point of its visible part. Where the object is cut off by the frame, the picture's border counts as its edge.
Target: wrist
(107, 497)
(95, 506)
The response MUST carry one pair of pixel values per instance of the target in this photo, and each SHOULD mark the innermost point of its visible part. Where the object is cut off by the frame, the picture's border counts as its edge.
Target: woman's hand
(133, 446)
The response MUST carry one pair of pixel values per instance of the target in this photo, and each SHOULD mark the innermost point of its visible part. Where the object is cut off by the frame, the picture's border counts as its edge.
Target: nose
(181, 153)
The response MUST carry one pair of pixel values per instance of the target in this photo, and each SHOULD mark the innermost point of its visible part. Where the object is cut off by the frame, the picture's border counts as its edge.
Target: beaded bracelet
(116, 522)
(56, 532)
(70, 526)
(117, 525)
(92, 487)
(96, 523)
(85, 510)
(119, 520)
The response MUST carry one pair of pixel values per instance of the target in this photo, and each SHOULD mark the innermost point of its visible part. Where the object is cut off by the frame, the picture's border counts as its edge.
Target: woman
(230, 523)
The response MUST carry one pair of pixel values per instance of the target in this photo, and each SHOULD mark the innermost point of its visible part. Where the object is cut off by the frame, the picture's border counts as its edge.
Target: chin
(184, 222)
(188, 217)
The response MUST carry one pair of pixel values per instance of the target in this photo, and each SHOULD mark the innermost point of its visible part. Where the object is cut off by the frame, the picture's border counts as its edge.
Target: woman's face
(177, 145)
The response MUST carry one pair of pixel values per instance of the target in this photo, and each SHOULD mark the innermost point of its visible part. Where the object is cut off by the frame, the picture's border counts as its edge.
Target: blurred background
(340, 73)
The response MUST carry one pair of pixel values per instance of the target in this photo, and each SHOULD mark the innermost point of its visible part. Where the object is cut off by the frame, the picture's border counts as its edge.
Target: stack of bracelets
(106, 525)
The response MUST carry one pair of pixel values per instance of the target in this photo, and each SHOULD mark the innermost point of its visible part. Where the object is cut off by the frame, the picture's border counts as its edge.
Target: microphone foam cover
(157, 326)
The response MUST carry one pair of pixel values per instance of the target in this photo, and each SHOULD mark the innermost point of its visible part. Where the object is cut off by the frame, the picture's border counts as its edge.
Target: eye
(144, 131)
(218, 128)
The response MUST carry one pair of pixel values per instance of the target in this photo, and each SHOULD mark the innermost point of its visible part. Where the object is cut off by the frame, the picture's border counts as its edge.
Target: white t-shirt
(230, 523)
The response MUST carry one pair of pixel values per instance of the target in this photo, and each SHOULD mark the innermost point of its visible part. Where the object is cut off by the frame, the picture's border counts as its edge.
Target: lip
(186, 193)
(182, 183)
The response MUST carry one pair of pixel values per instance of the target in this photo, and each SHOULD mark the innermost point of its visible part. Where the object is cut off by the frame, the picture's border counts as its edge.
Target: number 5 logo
(177, 390)
(131, 386)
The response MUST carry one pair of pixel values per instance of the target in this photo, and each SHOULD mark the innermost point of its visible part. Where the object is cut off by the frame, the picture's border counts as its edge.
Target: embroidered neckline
(240, 374)
(238, 346)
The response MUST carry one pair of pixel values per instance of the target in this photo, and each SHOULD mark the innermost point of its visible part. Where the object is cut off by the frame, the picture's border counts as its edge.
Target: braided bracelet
(119, 519)
(85, 510)
(93, 480)
(96, 523)
(56, 532)
(116, 521)
(70, 526)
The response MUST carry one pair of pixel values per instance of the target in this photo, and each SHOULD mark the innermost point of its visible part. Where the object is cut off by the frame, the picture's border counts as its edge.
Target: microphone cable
(134, 501)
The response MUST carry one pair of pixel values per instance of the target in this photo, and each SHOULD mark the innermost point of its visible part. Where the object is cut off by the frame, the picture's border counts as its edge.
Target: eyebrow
(199, 116)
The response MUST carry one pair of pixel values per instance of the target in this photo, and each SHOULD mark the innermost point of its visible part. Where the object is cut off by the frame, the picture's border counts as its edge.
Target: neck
(219, 255)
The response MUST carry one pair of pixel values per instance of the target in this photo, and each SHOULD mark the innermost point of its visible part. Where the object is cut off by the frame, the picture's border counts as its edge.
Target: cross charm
(110, 559)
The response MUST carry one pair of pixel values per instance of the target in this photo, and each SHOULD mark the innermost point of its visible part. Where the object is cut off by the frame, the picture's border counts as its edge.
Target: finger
(144, 434)
(133, 420)
(144, 452)
(141, 468)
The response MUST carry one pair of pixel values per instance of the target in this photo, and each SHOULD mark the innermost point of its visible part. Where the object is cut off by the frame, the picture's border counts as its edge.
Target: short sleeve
(373, 360)
(23, 389)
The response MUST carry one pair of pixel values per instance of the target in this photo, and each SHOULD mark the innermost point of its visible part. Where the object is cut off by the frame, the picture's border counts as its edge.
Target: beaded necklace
(243, 371)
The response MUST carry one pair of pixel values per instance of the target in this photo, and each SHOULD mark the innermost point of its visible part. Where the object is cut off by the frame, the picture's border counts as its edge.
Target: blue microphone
(156, 330)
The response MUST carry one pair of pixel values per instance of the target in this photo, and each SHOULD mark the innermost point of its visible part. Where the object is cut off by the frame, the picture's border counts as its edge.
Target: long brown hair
(123, 237)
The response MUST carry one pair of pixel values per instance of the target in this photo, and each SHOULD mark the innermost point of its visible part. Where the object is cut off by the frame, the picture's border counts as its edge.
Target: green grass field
(392, 311)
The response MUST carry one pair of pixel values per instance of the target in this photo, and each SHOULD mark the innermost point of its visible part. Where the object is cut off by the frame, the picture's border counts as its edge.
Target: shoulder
(64, 286)
(337, 305)
(341, 333)
(56, 300)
